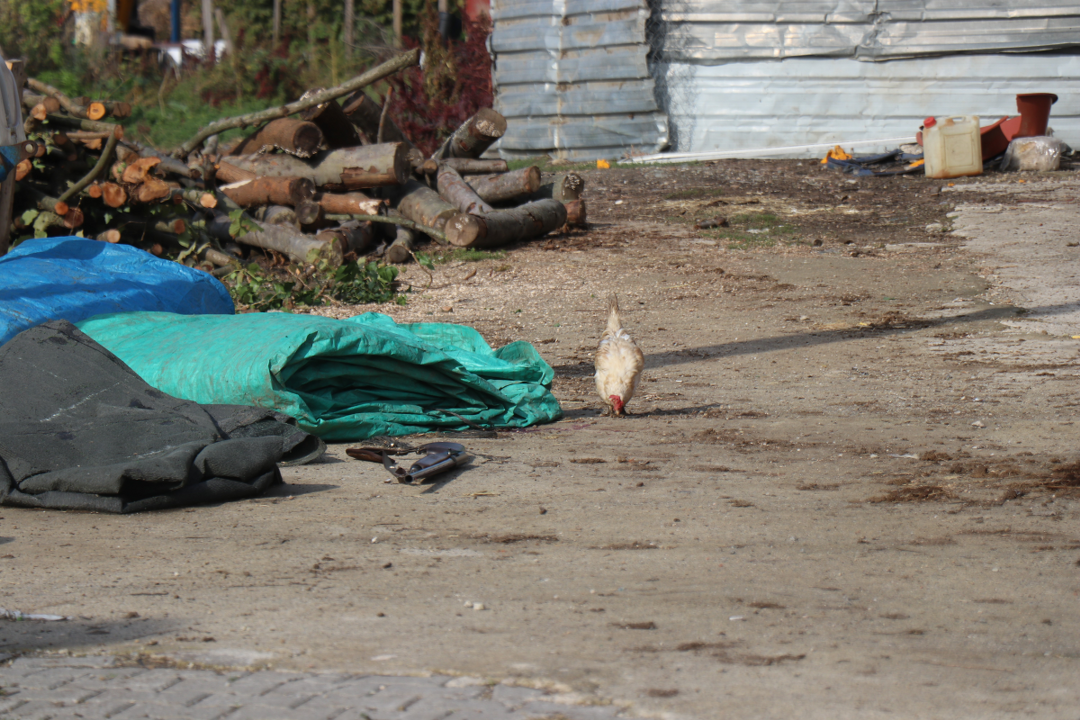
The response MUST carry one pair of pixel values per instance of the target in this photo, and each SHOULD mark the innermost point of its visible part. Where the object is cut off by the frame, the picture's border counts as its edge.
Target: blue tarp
(71, 278)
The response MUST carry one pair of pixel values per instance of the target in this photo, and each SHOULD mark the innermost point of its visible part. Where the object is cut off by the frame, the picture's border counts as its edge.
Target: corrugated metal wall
(750, 105)
(573, 76)
(572, 79)
(704, 31)
(745, 74)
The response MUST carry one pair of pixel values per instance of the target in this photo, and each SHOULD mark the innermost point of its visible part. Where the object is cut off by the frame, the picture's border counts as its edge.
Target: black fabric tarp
(79, 430)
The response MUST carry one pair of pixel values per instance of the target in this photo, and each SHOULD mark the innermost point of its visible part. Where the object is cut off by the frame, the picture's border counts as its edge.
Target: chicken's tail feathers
(614, 322)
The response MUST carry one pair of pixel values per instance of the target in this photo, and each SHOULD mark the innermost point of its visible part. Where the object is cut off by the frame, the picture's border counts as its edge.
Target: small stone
(448, 309)
(479, 606)
(977, 424)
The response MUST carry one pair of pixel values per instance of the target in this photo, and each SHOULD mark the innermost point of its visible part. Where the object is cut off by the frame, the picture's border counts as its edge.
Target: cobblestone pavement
(99, 687)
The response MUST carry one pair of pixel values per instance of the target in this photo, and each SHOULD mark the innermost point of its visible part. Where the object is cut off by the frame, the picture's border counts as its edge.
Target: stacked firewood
(317, 180)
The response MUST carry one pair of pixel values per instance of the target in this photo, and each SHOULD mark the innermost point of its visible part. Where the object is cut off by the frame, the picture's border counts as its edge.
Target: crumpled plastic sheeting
(80, 431)
(343, 380)
(71, 278)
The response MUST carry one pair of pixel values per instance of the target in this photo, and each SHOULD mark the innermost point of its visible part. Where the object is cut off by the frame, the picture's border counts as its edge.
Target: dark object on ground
(79, 430)
(715, 222)
(895, 162)
(439, 457)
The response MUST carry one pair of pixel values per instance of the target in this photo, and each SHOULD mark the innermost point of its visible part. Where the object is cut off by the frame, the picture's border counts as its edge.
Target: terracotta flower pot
(1034, 113)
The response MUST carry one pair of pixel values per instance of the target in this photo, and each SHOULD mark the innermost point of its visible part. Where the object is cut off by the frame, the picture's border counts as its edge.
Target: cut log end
(490, 123)
(111, 235)
(114, 195)
(463, 230)
(95, 111)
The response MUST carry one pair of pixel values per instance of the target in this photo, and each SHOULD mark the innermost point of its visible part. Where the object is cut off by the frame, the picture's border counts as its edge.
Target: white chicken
(618, 363)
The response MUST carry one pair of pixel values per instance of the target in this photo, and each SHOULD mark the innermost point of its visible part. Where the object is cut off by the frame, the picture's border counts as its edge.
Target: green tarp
(344, 380)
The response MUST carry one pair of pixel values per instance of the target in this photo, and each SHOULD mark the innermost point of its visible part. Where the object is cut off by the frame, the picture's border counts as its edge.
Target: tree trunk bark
(232, 174)
(575, 213)
(337, 131)
(225, 34)
(401, 249)
(503, 227)
(293, 136)
(365, 113)
(311, 214)
(344, 169)
(474, 136)
(455, 191)
(355, 236)
(423, 205)
(301, 248)
(278, 215)
(349, 204)
(506, 186)
(270, 191)
(469, 166)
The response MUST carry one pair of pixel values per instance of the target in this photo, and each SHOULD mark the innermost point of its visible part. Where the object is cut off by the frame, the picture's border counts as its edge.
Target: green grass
(738, 236)
(182, 116)
(695, 194)
(458, 255)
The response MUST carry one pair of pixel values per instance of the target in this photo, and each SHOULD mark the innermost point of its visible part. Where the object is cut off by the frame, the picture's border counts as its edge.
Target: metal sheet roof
(706, 31)
(572, 78)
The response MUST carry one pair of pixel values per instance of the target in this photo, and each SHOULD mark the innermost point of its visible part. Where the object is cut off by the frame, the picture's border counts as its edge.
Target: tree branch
(373, 75)
(98, 168)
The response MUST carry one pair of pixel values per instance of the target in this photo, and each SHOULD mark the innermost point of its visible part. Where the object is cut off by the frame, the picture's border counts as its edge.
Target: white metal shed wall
(572, 79)
(748, 74)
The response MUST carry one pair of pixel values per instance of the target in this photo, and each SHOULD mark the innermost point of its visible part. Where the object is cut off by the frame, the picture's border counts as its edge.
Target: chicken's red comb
(617, 403)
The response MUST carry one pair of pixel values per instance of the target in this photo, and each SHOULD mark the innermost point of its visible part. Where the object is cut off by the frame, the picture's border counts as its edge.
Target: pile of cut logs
(318, 179)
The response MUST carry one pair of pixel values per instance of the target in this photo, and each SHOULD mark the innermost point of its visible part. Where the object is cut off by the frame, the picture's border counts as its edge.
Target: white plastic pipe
(660, 158)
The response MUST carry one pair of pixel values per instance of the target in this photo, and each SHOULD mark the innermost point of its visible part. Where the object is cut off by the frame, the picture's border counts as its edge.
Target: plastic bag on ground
(71, 278)
(344, 380)
(1033, 153)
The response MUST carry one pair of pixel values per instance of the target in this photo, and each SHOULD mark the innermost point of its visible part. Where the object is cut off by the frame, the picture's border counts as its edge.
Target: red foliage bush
(429, 103)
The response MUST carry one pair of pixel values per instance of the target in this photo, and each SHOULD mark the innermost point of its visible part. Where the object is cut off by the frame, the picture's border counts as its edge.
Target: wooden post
(208, 29)
(397, 22)
(348, 39)
(277, 23)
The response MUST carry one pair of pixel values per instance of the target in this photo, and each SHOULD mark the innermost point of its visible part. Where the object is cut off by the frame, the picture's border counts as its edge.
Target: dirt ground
(849, 488)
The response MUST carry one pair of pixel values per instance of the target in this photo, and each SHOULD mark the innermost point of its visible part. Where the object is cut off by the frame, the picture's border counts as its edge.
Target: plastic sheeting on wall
(750, 74)
(706, 31)
(572, 79)
(801, 101)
